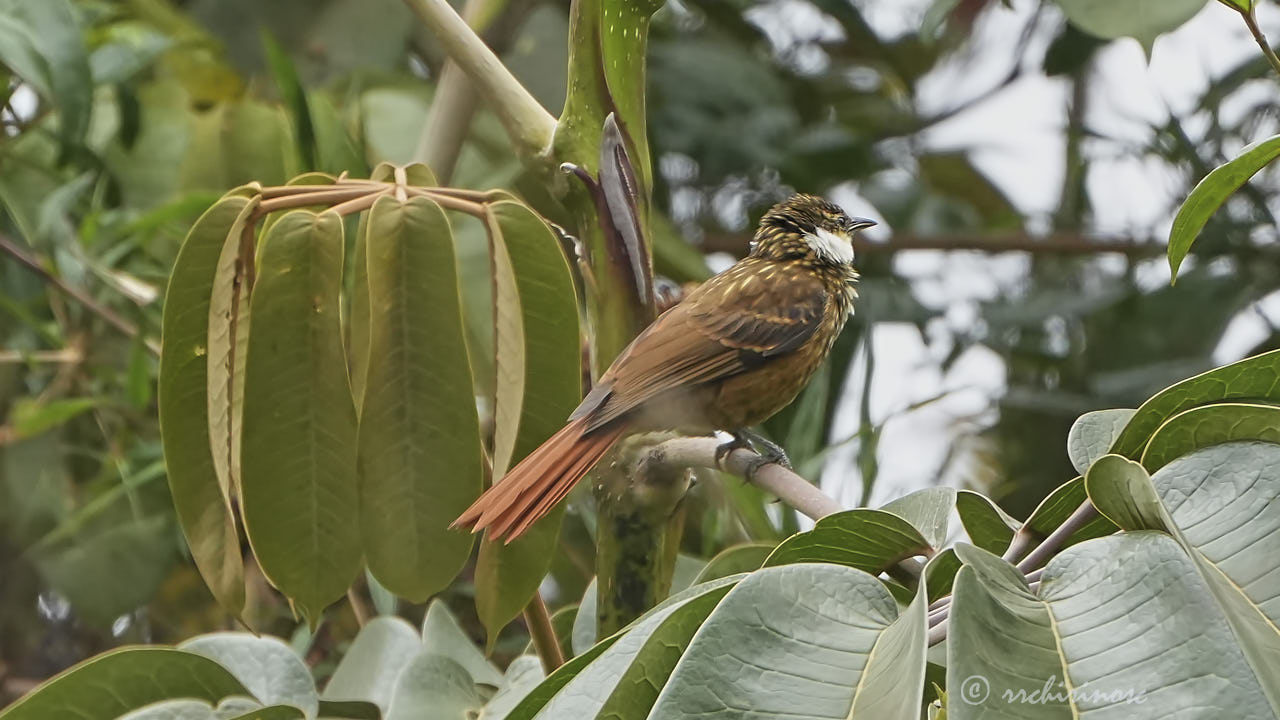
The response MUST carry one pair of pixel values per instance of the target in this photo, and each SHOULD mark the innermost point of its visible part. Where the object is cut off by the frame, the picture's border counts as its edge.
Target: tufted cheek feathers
(835, 248)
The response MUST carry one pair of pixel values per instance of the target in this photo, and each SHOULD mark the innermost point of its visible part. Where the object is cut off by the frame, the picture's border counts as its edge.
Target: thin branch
(789, 487)
(11, 248)
(1251, 21)
(543, 634)
(1059, 243)
(1058, 537)
(528, 124)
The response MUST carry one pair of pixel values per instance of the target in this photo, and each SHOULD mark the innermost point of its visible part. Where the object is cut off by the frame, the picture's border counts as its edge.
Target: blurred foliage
(124, 120)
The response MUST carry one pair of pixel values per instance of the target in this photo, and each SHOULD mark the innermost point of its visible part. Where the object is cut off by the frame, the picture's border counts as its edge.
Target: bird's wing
(735, 321)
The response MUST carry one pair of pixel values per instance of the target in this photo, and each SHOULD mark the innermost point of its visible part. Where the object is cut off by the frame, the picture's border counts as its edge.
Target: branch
(1061, 243)
(1058, 537)
(1251, 20)
(543, 634)
(789, 487)
(114, 320)
(528, 124)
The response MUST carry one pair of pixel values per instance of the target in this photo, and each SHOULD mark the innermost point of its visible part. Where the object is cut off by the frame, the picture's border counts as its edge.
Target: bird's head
(807, 226)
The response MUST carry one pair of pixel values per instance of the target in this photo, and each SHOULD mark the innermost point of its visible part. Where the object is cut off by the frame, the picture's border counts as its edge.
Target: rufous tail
(540, 481)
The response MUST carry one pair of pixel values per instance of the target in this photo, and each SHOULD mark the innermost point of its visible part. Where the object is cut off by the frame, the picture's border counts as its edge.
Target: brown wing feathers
(734, 322)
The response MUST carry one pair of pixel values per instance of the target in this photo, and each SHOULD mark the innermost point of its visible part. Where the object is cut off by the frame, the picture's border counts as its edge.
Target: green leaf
(1241, 5)
(1092, 435)
(1255, 378)
(202, 502)
(565, 688)
(808, 640)
(538, 363)
(1059, 505)
(988, 527)
(941, 573)
(1121, 490)
(227, 345)
(125, 679)
(442, 636)
(109, 568)
(369, 669)
(299, 450)
(421, 459)
(928, 510)
(1087, 641)
(438, 685)
(1142, 20)
(41, 41)
(522, 676)
(173, 710)
(1213, 190)
(30, 417)
(1210, 425)
(734, 560)
(870, 540)
(267, 667)
(1221, 504)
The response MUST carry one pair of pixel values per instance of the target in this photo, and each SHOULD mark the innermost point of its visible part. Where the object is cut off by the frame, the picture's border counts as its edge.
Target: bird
(736, 350)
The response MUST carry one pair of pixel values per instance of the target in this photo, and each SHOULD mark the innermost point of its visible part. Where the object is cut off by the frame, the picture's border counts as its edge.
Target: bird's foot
(767, 452)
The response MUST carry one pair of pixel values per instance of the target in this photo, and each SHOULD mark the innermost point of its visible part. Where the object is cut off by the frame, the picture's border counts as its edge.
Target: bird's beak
(862, 223)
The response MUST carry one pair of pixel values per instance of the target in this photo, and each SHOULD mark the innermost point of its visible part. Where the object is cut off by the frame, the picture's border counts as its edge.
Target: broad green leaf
(1209, 194)
(801, 641)
(1092, 435)
(538, 361)
(1242, 5)
(563, 686)
(870, 540)
(941, 573)
(421, 459)
(734, 560)
(107, 569)
(1121, 490)
(298, 464)
(1221, 504)
(267, 667)
(433, 687)
(928, 510)
(200, 499)
(228, 341)
(41, 41)
(442, 636)
(1210, 425)
(1255, 378)
(1084, 646)
(523, 675)
(1059, 505)
(988, 527)
(1142, 20)
(369, 669)
(125, 679)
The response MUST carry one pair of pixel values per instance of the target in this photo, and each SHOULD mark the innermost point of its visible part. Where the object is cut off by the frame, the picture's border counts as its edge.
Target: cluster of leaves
(1164, 601)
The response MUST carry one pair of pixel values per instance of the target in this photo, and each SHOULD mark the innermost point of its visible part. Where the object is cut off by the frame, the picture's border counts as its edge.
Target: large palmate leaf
(539, 381)
(1219, 503)
(200, 495)
(111, 684)
(421, 460)
(1097, 639)
(1255, 378)
(298, 459)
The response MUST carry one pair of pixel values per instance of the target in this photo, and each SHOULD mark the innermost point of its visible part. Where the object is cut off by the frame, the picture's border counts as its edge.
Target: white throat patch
(831, 247)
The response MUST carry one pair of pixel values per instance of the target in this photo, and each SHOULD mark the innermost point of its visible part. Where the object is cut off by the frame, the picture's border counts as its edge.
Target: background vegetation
(125, 121)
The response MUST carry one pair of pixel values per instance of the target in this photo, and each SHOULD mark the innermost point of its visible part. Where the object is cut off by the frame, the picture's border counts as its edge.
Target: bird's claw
(767, 452)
